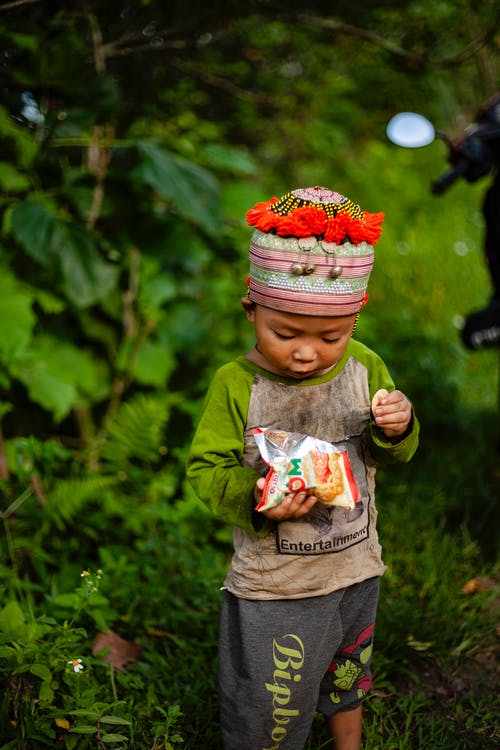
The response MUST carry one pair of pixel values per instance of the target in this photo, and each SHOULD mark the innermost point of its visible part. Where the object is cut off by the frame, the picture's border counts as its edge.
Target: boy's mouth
(301, 374)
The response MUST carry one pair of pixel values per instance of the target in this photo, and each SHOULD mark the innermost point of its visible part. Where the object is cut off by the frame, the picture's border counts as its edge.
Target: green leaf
(33, 227)
(70, 601)
(235, 160)
(193, 191)
(71, 741)
(45, 389)
(110, 739)
(26, 144)
(154, 364)
(97, 329)
(17, 318)
(5, 408)
(11, 619)
(115, 720)
(49, 302)
(85, 276)
(73, 365)
(59, 375)
(11, 179)
(41, 670)
(28, 41)
(15, 628)
(158, 290)
(84, 712)
(100, 619)
(83, 729)
(46, 692)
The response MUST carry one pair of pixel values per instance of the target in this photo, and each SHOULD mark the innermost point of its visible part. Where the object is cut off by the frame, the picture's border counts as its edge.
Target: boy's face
(298, 346)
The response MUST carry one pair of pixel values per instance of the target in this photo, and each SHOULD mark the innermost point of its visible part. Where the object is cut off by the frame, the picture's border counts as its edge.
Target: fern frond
(137, 432)
(69, 496)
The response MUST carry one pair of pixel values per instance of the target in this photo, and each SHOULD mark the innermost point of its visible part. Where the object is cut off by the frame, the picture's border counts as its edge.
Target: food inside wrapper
(298, 462)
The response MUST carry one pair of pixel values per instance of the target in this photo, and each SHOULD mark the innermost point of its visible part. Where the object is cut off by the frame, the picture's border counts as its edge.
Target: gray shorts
(281, 661)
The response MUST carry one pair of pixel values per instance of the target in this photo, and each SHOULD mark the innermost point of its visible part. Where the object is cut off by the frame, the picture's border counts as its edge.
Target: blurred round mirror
(410, 130)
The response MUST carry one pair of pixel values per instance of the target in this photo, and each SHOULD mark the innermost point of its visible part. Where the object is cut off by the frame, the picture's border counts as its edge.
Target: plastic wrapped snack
(299, 462)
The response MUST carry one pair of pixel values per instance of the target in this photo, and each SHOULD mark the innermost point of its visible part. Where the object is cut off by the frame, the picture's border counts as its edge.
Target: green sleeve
(214, 461)
(385, 450)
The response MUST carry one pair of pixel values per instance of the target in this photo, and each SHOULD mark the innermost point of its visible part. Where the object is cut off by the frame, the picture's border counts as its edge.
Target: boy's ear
(249, 308)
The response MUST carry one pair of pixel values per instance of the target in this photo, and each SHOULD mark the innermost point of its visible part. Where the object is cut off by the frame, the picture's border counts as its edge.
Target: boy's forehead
(293, 321)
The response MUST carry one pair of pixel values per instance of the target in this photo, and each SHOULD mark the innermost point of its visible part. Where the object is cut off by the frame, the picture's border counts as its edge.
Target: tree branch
(221, 83)
(98, 156)
(97, 44)
(329, 24)
(17, 4)
(129, 45)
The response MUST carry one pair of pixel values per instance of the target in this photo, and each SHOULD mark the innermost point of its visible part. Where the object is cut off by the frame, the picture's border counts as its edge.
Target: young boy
(300, 597)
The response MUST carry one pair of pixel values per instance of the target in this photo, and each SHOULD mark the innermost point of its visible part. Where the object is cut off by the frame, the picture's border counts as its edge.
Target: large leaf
(11, 179)
(16, 316)
(154, 364)
(154, 292)
(85, 276)
(44, 389)
(235, 160)
(193, 191)
(33, 227)
(13, 626)
(26, 144)
(11, 619)
(59, 375)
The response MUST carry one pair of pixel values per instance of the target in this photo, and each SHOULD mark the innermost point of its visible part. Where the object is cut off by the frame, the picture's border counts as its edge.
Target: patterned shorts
(281, 661)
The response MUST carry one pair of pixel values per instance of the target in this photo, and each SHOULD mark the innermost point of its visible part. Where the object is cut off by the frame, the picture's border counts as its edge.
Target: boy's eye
(283, 335)
(330, 341)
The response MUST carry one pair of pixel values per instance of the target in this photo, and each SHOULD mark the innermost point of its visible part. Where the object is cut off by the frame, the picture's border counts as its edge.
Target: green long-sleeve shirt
(330, 547)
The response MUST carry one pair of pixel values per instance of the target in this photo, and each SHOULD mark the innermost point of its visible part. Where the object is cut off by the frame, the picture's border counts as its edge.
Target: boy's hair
(311, 252)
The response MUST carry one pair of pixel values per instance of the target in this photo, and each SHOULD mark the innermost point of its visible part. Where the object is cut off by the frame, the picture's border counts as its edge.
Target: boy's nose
(305, 353)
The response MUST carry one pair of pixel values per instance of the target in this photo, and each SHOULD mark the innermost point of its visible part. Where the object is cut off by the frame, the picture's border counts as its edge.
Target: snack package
(298, 462)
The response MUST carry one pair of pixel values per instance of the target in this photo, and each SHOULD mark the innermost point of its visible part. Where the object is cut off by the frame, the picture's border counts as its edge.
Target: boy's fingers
(377, 398)
(304, 505)
(292, 506)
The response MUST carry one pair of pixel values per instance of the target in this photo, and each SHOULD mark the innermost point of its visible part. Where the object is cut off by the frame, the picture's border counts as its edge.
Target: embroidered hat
(311, 252)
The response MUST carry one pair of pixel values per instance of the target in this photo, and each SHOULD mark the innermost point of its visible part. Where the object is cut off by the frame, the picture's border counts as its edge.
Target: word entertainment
(319, 546)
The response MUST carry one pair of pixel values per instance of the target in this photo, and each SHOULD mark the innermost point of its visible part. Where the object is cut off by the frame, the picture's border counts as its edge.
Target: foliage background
(133, 138)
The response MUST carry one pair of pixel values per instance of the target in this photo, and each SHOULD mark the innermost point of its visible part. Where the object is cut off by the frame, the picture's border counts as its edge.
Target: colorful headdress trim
(336, 221)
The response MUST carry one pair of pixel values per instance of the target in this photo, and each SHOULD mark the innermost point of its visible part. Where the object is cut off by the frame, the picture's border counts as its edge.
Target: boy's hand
(392, 412)
(294, 505)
